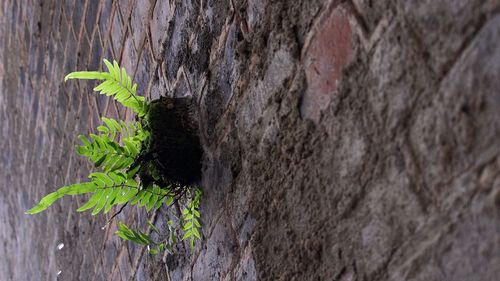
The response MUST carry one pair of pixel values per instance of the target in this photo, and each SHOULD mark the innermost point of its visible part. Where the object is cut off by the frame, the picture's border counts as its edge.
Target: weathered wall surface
(344, 140)
(41, 116)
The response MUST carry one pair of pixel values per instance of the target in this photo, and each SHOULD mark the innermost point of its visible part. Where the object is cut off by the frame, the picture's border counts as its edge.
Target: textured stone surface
(326, 53)
(344, 140)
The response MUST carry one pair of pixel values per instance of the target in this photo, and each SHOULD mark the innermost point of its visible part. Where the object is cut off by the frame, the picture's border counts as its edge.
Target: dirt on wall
(343, 140)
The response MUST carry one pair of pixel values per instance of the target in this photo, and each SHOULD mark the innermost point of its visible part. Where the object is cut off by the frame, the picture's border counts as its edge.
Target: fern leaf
(190, 216)
(111, 199)
(102, 201)
(125, 196)
(132, 235)
(104, 150)
(94, 75)
(92, 201)
(145, 199)
(74, 189)
(117, 84)
(101, 179)
(112, 189)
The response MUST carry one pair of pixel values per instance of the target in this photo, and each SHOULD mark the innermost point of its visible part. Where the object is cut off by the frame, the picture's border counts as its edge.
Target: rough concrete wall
(344, 140)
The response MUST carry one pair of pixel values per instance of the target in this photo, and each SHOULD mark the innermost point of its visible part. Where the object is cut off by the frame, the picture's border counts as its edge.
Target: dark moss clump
(173, 154)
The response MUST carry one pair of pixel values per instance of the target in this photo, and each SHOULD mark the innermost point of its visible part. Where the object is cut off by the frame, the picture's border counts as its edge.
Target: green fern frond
(116, 83)
(74, 189)
(190, 216)
(94, 75)
(108, 190)
(138, 237)
(152, 198)
(117, 188)
(117, 150)
(142, 238)
(106, 152)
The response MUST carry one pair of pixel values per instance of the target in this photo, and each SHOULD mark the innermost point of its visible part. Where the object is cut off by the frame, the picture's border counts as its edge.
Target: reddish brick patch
(328, 50)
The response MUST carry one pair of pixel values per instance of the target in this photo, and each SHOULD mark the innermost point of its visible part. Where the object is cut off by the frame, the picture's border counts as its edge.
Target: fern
(117, 84)
(104, 150)
(190, 216)
(131, 235)
(142, 238)
(108, 190)
(74, 189)
(115, 151)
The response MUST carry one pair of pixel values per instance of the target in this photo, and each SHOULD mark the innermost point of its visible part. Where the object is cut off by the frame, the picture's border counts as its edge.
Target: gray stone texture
(344, 140)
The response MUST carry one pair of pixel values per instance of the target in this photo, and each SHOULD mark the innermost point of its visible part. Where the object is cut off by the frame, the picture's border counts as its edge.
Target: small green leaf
(99, 162)
(103, 129)
(102, 201)
(196, 233)
(145, 199)
(84, 140)
(92, 201)
(197, 223)
(187, 235)
(111, 200)
(87, 75)
(74, 189)
(152, 226)
(125, 196)
(139, 196)
(187, 225)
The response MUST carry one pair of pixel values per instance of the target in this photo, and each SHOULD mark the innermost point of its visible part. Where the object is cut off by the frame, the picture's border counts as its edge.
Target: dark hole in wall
(175, 146)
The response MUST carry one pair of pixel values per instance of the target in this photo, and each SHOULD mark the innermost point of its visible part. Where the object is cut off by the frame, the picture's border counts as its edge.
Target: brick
(142, 75)
(83, 114)
(245, 270)
(77, 16)
(32, 58)
(91, 15)
(124, 264)
(45, 22)
(83, 53)
(68, 8)
(459, 20)
(95, 56)
(27, 37)
(102, 102)
(50, 57)
(158, 25)
(117, 32)
(95, 116)
(65, 30)
(105, 16)
(62, 107)
(57, 17)
(14, 14)
(125, 8)
(111, 110)
(108, 54)
(138, 20)
(70, 55)
(372, 12)
(329, 51)
(215, 262)
(130, 57)
(40, 65)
